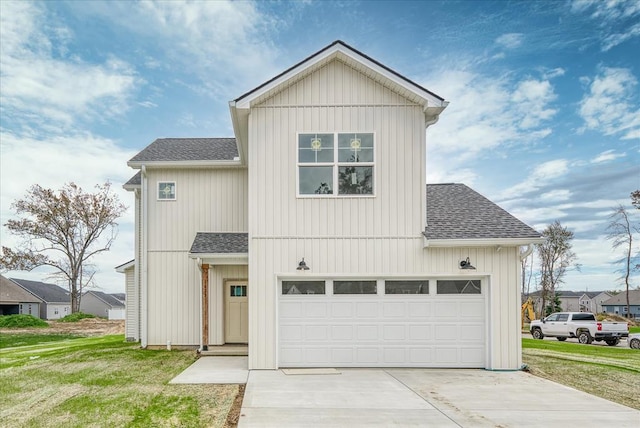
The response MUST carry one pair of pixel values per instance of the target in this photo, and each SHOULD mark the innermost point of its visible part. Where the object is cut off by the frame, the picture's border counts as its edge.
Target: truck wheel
(537, 333)
(634, 344)
(585, 338)
(561, 339)
(612, 342)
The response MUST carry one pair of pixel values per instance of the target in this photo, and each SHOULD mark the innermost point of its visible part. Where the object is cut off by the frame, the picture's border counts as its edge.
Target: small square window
(167, 190)
(238, 290)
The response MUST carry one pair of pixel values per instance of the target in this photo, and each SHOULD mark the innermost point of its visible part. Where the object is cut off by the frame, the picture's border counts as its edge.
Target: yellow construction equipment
(527, 311)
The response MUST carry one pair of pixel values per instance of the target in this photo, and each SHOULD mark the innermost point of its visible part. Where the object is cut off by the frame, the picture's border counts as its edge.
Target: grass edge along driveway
(104, 382)
(612, 373)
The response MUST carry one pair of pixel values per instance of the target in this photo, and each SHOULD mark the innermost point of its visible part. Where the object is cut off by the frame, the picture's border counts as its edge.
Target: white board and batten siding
(340, 237)
(206, 200)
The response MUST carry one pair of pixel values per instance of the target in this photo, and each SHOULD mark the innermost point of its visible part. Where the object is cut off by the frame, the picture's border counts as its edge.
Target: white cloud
(607, 155)
(510, 40)
(608, 105)
(615, 39)
(541, 175)
(41, 86)
(557, 195)
(229, 40)
(554, 72)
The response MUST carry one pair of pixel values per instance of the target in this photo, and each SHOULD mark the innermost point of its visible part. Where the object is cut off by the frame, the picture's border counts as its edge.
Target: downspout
(201, 347)
(145, 289)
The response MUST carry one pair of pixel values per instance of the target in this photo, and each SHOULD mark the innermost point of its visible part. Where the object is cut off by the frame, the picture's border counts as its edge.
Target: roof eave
(123, 267)
(184, 164)
(222, 258)
(481, 242)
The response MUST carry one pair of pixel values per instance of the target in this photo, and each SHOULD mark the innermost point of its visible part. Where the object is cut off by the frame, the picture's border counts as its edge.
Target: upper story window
(167, 190)
(337, 164)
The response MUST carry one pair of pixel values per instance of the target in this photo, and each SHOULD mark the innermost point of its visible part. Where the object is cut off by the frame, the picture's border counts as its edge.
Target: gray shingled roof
(188, 149)
(49, 293)
(213, 243)
(454, 211)
(136, 180)
(621, 298)
(120, 296)
(107, 298)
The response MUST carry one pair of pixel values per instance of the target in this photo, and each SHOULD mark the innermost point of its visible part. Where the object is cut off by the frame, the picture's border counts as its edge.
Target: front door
(236, 320)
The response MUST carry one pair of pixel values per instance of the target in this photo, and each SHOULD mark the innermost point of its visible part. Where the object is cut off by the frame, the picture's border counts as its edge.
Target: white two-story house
(312, 237)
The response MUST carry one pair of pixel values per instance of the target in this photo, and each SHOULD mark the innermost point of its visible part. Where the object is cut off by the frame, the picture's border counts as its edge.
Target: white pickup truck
(583, 325)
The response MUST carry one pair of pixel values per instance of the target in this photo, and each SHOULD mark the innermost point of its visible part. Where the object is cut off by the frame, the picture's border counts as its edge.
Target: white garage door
(400, 323)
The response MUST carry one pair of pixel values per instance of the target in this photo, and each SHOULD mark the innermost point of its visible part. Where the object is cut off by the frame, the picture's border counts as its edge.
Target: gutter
(524, 254)
(144, 334)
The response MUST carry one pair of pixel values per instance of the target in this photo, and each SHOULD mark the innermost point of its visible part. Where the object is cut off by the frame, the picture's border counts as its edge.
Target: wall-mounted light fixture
(302, 265)
(466, 264)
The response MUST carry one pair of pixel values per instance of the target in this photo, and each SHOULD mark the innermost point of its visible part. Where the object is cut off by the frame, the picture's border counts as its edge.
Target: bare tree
(526, 272)
(620, 233)
(556, 257)
(63, 230)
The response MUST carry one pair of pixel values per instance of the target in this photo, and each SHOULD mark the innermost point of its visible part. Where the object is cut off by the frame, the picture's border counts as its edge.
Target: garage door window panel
(406, 287)
(303, 287)
(355, 287)
(464, 286)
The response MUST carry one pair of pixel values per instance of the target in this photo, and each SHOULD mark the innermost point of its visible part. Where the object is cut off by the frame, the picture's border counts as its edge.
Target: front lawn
(102, 382)
(608, 372)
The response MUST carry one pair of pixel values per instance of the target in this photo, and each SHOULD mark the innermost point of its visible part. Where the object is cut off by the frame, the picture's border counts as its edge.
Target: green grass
(25, 339)
(103, 382)
(608, 372)
(21, 321)
(76, 317)
(634, 329)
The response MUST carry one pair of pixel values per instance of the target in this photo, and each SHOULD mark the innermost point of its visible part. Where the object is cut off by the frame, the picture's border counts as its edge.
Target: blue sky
(544, 116)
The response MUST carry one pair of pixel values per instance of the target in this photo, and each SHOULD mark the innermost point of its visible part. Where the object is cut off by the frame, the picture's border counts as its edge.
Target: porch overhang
(221, 258)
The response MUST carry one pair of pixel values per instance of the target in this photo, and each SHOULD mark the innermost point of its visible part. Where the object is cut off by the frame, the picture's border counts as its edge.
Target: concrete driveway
(421, 397)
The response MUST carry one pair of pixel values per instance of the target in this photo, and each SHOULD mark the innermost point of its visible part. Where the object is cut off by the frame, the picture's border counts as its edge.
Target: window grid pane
(303, 287)
(464, 286)
(406, 287)
(355, 287)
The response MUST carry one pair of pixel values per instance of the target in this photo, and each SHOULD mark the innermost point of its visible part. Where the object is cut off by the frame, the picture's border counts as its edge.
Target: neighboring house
(575, 301)
(132, 285)
(102, 305)
(310, 236)
(120, 296)
(56, 301)
(15, 300)
(618, 304)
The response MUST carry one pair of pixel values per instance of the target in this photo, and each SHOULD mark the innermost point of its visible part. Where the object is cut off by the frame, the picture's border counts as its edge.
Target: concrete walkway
(422, 397)
(220, 370)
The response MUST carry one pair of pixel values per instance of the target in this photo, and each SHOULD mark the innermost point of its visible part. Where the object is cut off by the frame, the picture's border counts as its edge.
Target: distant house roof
(456, 212)
(569, 293)
(621, 298)
(107, 298)
(11, 293)
(187, 149)
(120, 296)
(49, 293)
(216, 243)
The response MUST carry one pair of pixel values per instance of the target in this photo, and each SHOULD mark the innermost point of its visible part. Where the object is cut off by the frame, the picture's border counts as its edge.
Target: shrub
(21, 321)
(76, 317)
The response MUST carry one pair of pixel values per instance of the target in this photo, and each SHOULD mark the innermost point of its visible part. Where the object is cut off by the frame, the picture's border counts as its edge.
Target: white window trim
(175, 191)
(336, 166)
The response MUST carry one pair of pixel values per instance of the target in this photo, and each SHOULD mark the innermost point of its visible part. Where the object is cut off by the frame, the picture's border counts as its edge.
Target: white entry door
(236, 320)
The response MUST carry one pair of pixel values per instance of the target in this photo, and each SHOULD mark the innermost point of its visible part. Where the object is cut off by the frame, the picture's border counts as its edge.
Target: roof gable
(621, 298)
(106, 298)
(356, 59)
(10, 292)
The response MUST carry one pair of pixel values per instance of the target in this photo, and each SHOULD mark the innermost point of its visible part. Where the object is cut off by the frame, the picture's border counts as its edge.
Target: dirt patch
(84, 327)
(233, 417)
